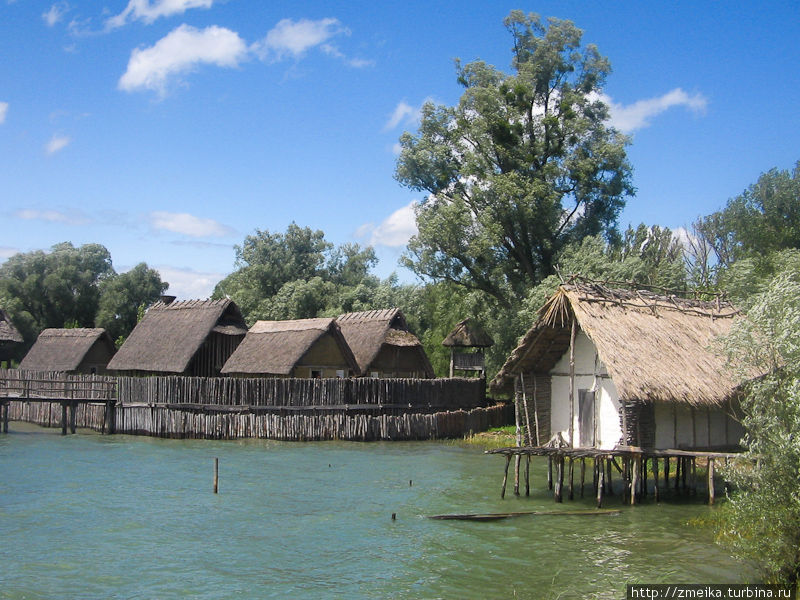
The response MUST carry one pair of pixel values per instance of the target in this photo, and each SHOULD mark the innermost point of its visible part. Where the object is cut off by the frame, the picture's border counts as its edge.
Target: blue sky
(168, 130)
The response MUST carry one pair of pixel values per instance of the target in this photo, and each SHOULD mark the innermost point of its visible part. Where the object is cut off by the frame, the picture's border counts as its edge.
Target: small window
(315, 374)
(375, 375)
(340, 373)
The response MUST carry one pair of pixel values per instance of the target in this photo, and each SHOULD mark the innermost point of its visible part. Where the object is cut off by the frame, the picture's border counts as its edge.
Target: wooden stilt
(693, 476)
(583, 473)
(666, 474)
(600, 477)
(595, 474)
(626, 482)
(609, 483)
(711, 481)
(655, 477)
(571, 480)
(73, 408)
(5, 417)
(216, 475)
(527, 475)
(678, 461)
(684, 476)
(549, 472)
(643, 485)
(559, 478)
(517, 460)
(634, 478)
(63, 418)
(505, 477)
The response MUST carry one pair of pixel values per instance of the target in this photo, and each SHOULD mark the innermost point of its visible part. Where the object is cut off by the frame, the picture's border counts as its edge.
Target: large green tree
(525, 164)
(124, 296)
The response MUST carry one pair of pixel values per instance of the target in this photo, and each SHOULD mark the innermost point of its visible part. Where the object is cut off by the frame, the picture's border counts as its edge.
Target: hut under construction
(383, 346)
(465, 335)
(192, 337)
(605, 368)
(301, 348)
(10, 338)
(80, 350)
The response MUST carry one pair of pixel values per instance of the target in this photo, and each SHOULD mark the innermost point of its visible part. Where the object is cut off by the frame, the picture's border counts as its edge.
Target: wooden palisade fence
(281, 409)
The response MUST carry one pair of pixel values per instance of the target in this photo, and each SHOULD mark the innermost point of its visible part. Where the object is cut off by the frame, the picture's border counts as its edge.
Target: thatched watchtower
(468, 334)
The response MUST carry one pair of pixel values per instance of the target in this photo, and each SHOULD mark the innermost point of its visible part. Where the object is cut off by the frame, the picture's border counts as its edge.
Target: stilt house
(10, 338)
(468, 334)
(80, 350)
(383, 346)
(192, 337)
(303, 348)
(607, 367)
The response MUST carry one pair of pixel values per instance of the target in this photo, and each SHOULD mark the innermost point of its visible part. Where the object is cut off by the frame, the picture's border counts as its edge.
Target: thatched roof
(276, 347)
(468, 334)
(8, 333)
(368, 331)
(654, 347)
(64, 349)
(169, 335)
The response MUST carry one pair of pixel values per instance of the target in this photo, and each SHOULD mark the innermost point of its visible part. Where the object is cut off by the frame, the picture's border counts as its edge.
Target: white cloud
(406, 115)
(638, 115)
(8, 252)
(179, 52)
(51, 216)
(57, 143)
(55, 14)
(187, 224)
(394, 231)
(295, 38)
(188, 284)
(147, 11)
(3, 112)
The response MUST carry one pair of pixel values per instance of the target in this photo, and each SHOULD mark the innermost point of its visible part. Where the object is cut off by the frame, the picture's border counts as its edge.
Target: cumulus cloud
(147, 11)
(187, 224)
(57, 143)
(3, 112)
(188, 284)
(638, 115)
(52, 216)
(295, 38)
(179, 52)
(394, 231)
(55, 14)
(8, 251)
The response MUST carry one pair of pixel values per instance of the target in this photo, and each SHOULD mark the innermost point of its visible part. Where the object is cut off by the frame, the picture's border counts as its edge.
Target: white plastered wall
(590, 374)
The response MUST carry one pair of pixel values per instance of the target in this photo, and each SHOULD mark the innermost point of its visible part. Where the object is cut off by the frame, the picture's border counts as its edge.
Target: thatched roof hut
(10, 338)
(296, 348)
(192, 337)
(382, 344)
(80, 350)
(468, 334)
(632, 351)
(654, 347)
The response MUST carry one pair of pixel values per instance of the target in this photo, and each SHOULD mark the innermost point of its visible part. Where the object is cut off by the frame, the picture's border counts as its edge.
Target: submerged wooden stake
(216, 475)
(527, 474)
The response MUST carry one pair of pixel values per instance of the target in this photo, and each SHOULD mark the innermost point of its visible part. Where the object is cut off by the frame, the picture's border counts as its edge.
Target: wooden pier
(67, 391)
(631, 464)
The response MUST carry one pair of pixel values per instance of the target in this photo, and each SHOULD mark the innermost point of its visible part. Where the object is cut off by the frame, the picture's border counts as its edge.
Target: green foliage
(124, 296)
(764, 218)
(523, 166)
(763, 518)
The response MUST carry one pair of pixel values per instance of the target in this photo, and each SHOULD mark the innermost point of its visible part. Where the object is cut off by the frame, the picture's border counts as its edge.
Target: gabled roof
(468, 334)
(8, 333)
(275, 347)
(654, 347)
(64, 349)
(366, 332)
(169, 335)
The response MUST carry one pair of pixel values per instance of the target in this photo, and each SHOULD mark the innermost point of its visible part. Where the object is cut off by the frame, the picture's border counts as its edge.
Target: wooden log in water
(535, 513)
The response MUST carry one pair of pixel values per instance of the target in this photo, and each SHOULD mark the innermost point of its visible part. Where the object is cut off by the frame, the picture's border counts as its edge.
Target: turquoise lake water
(91, 516)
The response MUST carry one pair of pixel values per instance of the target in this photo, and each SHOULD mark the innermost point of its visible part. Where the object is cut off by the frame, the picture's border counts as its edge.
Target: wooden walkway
(67, 391)
(630, 462)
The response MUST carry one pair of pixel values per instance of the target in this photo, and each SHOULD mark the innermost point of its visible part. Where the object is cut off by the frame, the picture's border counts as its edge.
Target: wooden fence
(281, 409)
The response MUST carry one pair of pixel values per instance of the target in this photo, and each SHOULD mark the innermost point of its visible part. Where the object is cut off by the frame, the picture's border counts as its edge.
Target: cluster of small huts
(209, 338)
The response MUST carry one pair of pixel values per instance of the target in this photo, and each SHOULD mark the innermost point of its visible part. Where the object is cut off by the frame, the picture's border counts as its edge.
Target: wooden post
(5, 417)
(517, 458)
(609, 483)
(527, 414)
(678, 461)
(644, 477)
(517, 461)
(655, 477)
(549, 472)
(73, 407)
(634, 478)
(216, 475)
(571, 481)
(711, 481)
(452, 352)
(505, 477)
(527, 474)
(63, 418)
(572, 335)
(599, 468)
(583, 473)
(666, 474)
(559, 478)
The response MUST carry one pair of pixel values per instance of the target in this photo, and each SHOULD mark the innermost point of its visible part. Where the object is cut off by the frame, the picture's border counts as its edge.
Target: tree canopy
(523, 165)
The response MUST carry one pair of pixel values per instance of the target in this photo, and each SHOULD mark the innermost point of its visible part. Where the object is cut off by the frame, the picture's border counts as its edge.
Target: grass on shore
(497, 437)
